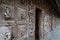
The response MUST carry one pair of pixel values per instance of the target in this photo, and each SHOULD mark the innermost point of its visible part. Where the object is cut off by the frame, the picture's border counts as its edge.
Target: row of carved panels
(19, 16)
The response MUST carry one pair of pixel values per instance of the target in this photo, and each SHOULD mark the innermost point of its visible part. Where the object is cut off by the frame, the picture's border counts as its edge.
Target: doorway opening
(37, 20)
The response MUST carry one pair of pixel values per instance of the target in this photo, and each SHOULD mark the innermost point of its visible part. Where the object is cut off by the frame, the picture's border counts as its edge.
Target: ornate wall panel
(21, 21)
(6, 21)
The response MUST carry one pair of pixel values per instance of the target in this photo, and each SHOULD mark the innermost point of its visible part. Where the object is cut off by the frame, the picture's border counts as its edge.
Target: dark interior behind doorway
(38, 12)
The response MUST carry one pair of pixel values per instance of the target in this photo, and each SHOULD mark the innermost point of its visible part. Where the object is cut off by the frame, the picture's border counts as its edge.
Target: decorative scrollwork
(7, 13)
